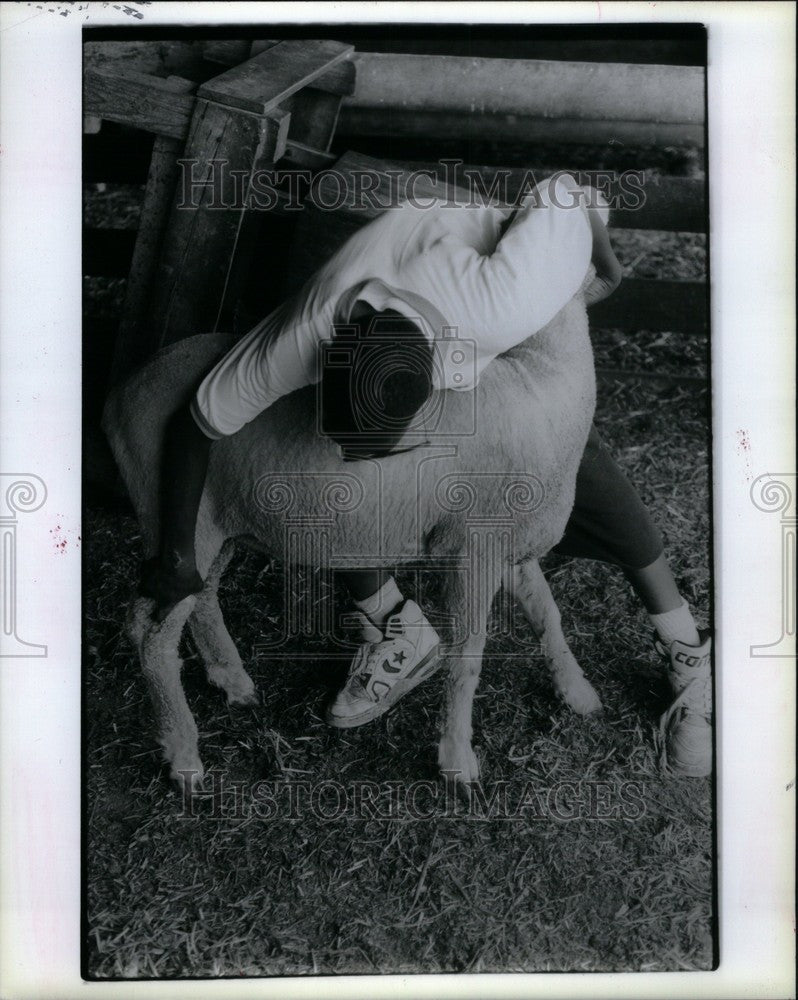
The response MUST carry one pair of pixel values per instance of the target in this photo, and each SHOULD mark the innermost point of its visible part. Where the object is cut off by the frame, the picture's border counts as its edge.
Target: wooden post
(207, 215)
(132, 345)
(238, 126)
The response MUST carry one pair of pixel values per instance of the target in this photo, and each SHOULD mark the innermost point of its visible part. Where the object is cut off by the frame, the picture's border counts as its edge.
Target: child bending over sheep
(497, 277)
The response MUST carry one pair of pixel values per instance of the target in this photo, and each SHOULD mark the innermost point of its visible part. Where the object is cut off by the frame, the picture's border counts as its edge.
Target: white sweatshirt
(474, 294)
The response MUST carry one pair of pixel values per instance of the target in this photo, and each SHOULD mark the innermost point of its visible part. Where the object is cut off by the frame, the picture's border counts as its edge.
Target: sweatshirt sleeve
(272, 360)
(537, 267)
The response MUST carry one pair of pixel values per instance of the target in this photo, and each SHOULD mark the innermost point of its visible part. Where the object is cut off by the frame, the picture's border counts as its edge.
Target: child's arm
(536, 268)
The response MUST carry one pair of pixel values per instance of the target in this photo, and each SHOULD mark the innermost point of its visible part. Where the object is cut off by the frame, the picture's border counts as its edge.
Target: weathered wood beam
(145, 102)
(668, 203)
(162, 58)
(138, 100)
(530, 88)
(401, 124)
(269, 78)
(202, 236)
(458, 97)
(645, 201)
(132, 341)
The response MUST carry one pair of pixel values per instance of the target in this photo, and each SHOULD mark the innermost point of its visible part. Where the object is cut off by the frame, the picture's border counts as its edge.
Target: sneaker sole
(421, 672)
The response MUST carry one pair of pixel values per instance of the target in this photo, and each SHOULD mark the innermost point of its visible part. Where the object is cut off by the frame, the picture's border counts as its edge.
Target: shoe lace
(695, 696)
(363, 665)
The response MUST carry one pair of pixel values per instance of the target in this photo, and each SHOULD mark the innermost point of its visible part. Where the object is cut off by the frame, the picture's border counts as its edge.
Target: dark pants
(609, 521)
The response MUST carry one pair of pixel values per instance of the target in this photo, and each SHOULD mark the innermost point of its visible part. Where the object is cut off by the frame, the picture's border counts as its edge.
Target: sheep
(495, 501)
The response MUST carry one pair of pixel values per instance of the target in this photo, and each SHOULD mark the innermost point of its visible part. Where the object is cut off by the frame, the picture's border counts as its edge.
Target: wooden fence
(264, 103)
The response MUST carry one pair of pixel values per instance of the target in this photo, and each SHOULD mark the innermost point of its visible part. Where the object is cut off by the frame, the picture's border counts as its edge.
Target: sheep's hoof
(245, 700)
(581, 697)
(459, 767)
(236, 684)
(188, 776)
(243, 694)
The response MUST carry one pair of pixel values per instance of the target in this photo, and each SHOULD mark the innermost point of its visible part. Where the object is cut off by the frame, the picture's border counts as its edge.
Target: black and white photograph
(399, 344)
(401, 629)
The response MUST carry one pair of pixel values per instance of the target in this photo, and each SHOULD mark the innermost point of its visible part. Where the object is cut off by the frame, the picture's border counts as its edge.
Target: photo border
(752, 211)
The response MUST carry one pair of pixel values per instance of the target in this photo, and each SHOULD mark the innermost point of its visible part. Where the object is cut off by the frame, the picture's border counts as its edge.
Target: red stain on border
(63, 537)
(744, 449)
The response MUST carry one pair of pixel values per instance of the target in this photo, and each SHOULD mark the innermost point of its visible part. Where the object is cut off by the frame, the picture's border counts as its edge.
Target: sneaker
(386, 666)
(685, 729)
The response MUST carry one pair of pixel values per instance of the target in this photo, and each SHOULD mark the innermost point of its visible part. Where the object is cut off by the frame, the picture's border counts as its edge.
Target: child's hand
(608, 270)
(603, 284)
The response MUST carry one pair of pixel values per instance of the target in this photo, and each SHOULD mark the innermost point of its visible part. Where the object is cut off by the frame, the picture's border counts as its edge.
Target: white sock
(676, 626)
(380, 605)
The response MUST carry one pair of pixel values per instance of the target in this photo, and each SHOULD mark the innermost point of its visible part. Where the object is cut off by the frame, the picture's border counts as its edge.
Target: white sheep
(495, 502)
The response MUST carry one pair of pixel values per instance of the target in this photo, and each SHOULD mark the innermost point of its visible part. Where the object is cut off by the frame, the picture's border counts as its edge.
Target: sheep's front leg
(157, 645)
(468, 601)
(456, 757)
(216, 649)
(526, 582)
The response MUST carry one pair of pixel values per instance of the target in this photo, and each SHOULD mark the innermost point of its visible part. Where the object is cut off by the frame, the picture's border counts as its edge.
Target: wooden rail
(456, 97)
(146, 102)
(525, 99)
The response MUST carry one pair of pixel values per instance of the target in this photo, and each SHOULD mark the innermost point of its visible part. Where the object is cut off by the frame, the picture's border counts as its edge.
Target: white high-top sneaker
(685, 734)
(386, 666)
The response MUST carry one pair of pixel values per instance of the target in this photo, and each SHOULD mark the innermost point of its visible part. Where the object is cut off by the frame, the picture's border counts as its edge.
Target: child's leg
(374, 592)
(669, 612)
(172, 575)
(611, 523)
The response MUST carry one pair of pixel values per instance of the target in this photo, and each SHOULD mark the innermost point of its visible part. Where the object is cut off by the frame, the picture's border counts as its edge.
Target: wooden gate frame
(282, 99)
(188, 262)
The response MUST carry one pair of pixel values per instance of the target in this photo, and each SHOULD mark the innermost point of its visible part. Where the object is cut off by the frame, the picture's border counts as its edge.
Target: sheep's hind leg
(526, 582)
(470, 606)
(157, 645)
(216, 649)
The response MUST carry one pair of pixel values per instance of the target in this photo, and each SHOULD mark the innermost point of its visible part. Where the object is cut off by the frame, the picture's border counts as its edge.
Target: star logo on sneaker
(384, 671)
(386, 666)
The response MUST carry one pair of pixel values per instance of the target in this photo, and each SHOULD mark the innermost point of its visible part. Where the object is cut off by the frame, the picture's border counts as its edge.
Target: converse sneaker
(386, 666)
(685, 729)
